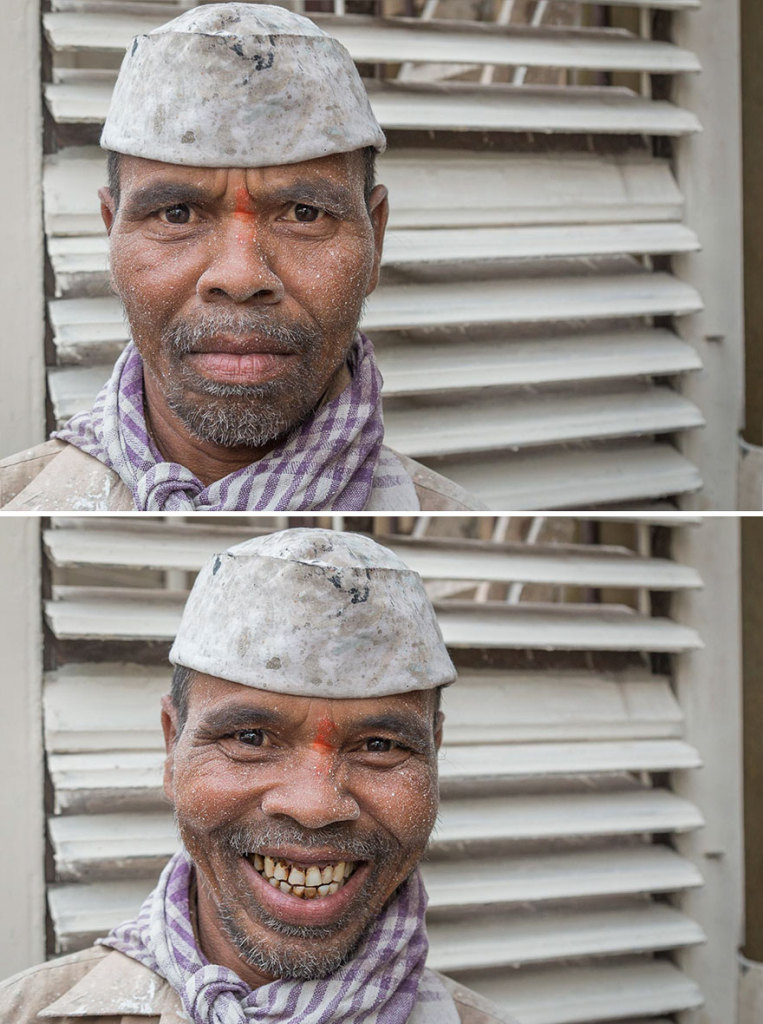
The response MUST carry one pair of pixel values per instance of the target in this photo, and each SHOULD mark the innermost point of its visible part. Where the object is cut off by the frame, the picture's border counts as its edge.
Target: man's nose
(239, 268)
(313, 792)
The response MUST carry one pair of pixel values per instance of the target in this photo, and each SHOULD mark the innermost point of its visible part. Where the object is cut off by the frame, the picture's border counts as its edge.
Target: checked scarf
(384, 982)
(334, 460)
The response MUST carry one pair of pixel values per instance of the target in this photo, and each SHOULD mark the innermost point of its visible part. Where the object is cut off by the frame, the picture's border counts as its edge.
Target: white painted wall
(709, 687)
(22, 846)
(22, 410)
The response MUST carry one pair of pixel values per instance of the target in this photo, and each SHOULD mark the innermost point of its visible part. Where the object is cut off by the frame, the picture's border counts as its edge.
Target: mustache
(343, 840)
(183, 336)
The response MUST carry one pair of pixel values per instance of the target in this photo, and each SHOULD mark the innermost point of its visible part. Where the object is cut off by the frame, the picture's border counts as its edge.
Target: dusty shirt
(102, 986)
(57, 477)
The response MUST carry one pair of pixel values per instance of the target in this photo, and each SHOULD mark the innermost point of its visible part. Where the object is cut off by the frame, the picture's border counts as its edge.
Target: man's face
(243, 288)
(302, 816)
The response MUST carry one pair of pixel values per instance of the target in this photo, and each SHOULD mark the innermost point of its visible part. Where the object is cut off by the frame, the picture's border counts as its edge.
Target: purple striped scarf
(329, 462)
(383, 983)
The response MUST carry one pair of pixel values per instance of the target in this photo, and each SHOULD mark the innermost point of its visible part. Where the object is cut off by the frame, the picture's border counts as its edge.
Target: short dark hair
(369, 173)
(182, 678)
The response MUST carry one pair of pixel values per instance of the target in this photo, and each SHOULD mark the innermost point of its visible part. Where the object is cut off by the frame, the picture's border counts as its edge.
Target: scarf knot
(328, 462)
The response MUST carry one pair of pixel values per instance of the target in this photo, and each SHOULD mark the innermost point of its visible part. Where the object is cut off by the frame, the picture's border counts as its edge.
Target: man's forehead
(342, 168)
(209, 695)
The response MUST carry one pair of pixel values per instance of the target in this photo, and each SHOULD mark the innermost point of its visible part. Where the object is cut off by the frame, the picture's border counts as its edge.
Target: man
(302, 734)
(245, 234)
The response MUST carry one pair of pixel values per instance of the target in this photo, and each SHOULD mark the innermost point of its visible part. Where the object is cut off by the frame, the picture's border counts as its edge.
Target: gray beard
(233, 415)
(278, 960)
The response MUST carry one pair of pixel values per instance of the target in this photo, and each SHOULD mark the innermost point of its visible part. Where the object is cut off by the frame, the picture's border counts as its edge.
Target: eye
(306, 214)
(251, 737)
(379, 745)
(180, 213)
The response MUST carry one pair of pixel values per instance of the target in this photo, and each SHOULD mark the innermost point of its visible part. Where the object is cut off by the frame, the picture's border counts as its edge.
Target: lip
(292, 909)
(229, 367)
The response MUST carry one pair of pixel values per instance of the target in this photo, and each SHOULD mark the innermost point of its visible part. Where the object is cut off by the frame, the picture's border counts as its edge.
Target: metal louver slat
(525, 938)
(373, 40)
(441, 366)
(82, 97)
(579, 995)
(483, 424)
(187, 547)
(574, 479)
(136, 614)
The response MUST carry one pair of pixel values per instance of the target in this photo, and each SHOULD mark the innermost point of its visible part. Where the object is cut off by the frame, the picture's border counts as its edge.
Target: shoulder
(436, 493)
(19, 470)
(57, 477)
(25, 994)
(472, 1007)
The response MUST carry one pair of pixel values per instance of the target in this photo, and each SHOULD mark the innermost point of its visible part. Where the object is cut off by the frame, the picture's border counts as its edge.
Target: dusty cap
(316, 613)
(238, 85)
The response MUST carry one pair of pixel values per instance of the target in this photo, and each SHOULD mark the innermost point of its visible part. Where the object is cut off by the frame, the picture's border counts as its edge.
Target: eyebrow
(236, 716)
(333, 197)
(403, 726)
(164, 193)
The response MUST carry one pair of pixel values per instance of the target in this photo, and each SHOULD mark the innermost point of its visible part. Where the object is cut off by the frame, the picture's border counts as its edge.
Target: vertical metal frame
(709, 171)
(709, 690)
(22, 811)
(22, 300)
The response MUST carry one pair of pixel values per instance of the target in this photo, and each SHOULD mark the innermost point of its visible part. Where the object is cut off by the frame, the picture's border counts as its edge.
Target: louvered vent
(524, 322)
(554, 880)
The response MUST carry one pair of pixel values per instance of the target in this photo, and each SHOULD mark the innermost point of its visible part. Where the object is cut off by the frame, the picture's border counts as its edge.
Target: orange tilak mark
(325, 736)
(244, 206)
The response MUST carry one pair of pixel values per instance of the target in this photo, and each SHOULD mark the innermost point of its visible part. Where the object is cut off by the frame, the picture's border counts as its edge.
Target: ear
(108, 207)
(170, 730)
(378, 211)
(438, 724)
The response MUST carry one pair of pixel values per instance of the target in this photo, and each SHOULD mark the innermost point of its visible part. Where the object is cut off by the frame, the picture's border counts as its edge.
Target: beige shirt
(102, 986)
(57, 477)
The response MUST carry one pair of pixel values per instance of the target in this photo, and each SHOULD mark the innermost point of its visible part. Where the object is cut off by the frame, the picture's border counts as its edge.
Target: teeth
(306, 882)
(313, 877)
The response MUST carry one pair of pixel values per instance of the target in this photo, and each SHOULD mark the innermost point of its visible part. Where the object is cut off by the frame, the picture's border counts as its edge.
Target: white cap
(238, 85)
(316, 613)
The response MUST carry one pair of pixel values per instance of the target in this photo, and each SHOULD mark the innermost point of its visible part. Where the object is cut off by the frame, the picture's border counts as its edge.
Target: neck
(207, 460)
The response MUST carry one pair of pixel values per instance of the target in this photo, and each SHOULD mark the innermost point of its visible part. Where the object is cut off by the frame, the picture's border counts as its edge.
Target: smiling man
(245, 234)
(302, 734)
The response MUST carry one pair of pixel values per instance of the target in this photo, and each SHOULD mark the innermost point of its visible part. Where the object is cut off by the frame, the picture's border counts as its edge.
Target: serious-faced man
(302, 734)
(245, 234)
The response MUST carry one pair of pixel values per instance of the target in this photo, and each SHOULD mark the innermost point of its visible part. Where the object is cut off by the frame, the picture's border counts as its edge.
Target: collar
(119, 985)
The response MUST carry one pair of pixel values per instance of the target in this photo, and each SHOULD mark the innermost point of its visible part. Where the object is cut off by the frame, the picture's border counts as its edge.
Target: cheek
(406, 805)
(332, 279)
(150, 281)
(209, 796)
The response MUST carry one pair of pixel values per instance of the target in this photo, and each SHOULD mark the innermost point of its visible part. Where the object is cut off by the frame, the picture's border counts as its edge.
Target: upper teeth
(306, 882)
